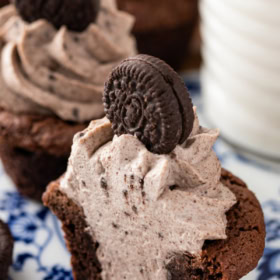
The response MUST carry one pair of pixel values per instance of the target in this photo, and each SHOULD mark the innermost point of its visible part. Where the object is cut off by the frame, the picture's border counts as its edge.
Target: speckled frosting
(144, 208)
(49, 71)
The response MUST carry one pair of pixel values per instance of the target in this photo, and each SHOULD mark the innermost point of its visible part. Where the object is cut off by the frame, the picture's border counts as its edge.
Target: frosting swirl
(49, 71)
(145, 208)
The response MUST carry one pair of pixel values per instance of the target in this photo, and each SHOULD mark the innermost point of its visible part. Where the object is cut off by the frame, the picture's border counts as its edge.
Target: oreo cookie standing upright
(146, 98)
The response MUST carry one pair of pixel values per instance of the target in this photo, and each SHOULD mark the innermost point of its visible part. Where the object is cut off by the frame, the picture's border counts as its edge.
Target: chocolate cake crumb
(52, 77)
(104, 186)
(141, 182)
(127, 214)
(160, 235)
(103, 183)
(115, 225)
(125, 193)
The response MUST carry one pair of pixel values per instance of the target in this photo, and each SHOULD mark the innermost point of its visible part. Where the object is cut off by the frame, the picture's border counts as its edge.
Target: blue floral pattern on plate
(40, 252)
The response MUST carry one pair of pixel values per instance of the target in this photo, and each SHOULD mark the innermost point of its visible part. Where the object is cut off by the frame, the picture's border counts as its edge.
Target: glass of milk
(241, 72)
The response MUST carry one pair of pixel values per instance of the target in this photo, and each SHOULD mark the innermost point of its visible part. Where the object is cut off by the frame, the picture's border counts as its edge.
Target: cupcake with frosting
(145, 196)
(53, 63)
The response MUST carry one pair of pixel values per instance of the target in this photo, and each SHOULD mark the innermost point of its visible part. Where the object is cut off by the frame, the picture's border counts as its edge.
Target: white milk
(241, 72)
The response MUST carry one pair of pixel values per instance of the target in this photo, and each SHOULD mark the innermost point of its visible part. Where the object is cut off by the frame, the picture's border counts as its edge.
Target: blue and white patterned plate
(40, 252)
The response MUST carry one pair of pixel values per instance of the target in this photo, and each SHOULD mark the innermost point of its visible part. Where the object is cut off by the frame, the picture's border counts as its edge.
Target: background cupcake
(51, 81)
(152, 201)
(163, 28)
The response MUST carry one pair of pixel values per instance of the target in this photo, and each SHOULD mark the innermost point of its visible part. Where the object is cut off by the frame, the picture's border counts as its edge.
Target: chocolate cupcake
(54, 61)
(152, 201)
(163, 28)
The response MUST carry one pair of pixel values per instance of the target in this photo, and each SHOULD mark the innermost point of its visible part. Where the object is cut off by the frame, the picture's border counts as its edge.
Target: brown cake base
(35, 150)
(228, 259)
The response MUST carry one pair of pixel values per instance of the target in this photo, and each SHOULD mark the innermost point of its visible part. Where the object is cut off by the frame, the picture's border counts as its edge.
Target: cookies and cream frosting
(143, 208)
(49, 71)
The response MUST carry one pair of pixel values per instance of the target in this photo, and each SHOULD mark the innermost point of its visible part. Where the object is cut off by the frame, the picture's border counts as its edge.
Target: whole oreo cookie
(145, 97)
(6, 250)
(75, 14)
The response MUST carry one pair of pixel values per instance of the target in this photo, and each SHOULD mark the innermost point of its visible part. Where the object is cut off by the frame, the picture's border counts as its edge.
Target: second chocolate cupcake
(54, 61)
